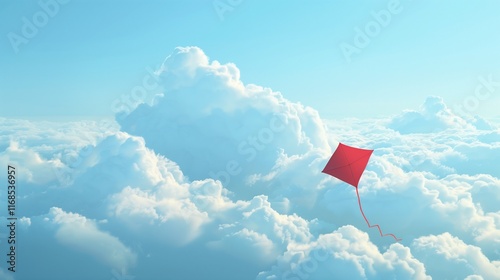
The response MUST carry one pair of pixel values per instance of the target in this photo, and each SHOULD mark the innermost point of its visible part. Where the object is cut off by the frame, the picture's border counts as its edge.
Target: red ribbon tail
(368, 223)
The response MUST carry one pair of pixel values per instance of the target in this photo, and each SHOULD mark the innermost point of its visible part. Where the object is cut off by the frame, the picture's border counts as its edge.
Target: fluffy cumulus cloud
(213, 125)
(347, 253)
(463, 261)
(433, 116)
(218, 179)
(83, 235)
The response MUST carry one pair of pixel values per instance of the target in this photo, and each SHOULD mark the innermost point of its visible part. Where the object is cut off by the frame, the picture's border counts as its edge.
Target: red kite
(348, 164)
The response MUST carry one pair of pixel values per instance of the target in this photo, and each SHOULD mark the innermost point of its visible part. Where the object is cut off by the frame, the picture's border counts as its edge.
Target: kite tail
(368, 223)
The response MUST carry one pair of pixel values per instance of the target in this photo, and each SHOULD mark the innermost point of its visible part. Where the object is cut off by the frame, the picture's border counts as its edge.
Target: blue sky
(185, 139)
(92, 52)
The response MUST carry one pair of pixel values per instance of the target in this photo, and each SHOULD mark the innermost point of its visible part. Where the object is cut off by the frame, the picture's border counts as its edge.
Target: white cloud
(434, 116)
(24, 221)
(431, 181)
(347, 253)
(27, 162)
(83, 235)
(256, 220)
(251, 246)
(172, 219)
(448, 257)
(213, 125)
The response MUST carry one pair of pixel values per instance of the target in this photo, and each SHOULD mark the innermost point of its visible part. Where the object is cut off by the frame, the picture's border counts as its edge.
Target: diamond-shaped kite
(348, 164)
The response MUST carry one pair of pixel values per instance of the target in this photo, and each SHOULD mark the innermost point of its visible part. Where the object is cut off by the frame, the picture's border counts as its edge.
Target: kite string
(368, 223)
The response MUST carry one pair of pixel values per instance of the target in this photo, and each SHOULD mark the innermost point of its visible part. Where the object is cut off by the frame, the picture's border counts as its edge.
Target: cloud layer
(218, 179)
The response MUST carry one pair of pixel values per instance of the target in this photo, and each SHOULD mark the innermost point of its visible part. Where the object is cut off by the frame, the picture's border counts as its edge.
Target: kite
(348, 164)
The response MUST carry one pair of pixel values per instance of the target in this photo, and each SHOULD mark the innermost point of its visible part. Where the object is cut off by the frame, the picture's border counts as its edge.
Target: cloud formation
(433, 116)
(230, 173)
(213, 125)
(83, 235)
(346, 253)
(463, 261)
